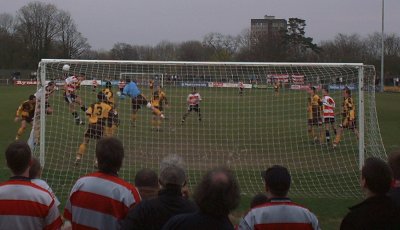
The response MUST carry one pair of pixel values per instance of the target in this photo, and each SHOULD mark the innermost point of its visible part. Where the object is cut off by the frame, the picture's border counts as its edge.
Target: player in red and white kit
(95, 84)
(121, 85)
(193, 101)
(71, 84)
(241, 88)
(328, 111)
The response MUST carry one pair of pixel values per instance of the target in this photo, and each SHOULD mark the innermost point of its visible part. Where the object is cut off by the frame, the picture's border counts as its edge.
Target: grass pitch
(248, 133)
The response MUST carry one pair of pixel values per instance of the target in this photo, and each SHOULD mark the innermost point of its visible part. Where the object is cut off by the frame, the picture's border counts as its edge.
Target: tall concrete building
(267, 26)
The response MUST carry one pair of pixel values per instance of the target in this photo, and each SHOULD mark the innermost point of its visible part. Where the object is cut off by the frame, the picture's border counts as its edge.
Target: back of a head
(377, 175)
(394, 163)
(146, 178)
(218, 192)
(277, 179)
(18, 157)
(109, 154)
(35, 169)
(172, 171)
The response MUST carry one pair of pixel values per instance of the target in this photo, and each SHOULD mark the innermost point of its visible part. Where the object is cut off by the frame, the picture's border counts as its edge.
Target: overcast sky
(147, 22)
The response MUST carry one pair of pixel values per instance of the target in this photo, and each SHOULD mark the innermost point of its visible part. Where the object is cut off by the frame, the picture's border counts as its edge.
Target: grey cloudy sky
(147, 22)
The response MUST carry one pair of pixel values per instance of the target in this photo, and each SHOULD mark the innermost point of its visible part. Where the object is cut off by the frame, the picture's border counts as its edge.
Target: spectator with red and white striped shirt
(100, 200)
(23, 204)
(279, 212)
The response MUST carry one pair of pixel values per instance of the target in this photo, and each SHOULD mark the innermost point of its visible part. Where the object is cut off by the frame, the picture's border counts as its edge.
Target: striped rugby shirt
(24, 205)
(100, 201)
(279, 214)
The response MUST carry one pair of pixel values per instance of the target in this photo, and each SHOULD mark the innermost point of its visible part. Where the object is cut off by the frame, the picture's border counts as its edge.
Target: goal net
(248, 130)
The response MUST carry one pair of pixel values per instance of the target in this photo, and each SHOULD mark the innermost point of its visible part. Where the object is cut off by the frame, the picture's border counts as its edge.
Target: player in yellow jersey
(157, 101)
(100, 115)
(107, 91)
(348, 116)
(25, 114)
(310, 115)
(316, 108)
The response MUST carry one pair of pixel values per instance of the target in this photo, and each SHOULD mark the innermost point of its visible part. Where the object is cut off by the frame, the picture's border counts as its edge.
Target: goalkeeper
(349, 116)
(138, 99)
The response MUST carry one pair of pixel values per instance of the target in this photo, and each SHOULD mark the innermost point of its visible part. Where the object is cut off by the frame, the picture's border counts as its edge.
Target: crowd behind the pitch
(103, 200)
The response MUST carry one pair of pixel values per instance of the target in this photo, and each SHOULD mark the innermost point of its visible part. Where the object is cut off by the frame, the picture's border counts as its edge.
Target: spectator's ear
(363, 183)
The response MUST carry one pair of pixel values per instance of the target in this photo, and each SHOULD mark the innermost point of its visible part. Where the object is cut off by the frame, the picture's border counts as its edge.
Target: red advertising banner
(25, 82)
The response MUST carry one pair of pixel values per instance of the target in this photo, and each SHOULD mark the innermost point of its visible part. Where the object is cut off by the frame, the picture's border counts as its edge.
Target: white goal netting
(248, 131)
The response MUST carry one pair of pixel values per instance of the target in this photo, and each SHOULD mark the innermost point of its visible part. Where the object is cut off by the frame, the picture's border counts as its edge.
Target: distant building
(267, 26)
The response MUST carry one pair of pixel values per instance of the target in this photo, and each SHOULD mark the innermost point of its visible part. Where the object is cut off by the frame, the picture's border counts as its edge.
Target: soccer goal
(253, 116)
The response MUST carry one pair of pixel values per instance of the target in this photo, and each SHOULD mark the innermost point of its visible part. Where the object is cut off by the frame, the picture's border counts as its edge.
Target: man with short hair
(23, 204)
(279, 212)
(394, 163)
(217, 195)
(146, 181)
(154, 213)
(100, 200)
(25, 113)
(377, 211)
(138, 99)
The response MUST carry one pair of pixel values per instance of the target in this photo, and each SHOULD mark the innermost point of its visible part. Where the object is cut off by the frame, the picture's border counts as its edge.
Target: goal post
(248, 130)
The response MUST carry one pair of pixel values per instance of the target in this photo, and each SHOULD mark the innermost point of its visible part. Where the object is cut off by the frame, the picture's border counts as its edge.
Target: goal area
(248, 130)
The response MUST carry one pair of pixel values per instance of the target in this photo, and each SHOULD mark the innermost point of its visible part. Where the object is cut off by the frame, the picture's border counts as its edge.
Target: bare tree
(72, 43)
(37, 27)
(7, 23)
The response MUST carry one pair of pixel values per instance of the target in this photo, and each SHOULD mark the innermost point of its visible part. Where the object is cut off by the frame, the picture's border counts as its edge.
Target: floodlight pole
(382, 45)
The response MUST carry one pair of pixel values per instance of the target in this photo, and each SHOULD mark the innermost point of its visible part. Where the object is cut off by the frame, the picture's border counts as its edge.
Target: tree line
(40, 30)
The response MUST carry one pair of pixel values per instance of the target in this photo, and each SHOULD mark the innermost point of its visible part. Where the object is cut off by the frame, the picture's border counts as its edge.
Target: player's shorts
(329, 120)
(28, 119)
(346, 123)
(195, 108)
(138, 101)
(95, 131)
(70, 98)
(317, 119)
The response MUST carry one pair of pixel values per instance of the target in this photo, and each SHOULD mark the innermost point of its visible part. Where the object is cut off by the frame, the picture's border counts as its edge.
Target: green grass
(248, 133)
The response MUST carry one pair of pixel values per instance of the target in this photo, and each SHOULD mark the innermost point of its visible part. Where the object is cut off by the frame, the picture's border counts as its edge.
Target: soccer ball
(118, 94)
(65, 68)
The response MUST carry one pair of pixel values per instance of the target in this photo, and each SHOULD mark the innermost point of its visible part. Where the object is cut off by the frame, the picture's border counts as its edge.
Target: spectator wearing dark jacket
(394, 163)
(154, 213)
(146, 181)
(377, 211)
(217, 195)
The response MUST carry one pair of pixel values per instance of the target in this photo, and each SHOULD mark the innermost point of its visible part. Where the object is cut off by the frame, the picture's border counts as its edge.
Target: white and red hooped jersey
(121, 84)
(72, 83)
(100, 201)
(94, 83)
(25, 205)
(241, 86)
(279, 214)
(328, 107)
(194, 99)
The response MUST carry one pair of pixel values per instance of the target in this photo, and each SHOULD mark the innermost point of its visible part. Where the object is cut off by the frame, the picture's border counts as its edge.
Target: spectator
(280, 212)
(35, 172)
(394, 163)
(217, 195)
(24, 205)
(377, 211)
(154, 213)
(146, 181)
(100, 200)
(258, 199)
